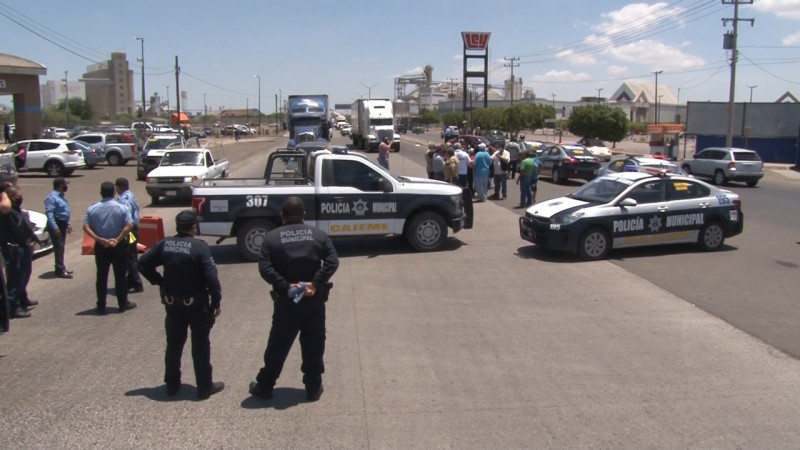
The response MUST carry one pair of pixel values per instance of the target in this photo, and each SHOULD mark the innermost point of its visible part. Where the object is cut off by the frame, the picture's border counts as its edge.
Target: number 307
(256, 201)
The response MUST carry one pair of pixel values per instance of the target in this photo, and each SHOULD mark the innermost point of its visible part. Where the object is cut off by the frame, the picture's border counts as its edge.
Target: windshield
(160, 143)
(381, 122)
(601, 190)
(746, 156)
(182, 159)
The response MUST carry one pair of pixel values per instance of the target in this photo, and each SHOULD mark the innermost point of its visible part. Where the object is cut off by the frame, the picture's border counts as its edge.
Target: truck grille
(385, 133)
(169, 180)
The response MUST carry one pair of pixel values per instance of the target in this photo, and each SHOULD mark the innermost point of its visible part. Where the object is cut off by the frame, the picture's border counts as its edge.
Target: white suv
(57, 157)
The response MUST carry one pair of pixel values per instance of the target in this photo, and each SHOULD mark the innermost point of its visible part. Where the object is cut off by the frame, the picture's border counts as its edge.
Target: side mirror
(627, 202)
(385, 185)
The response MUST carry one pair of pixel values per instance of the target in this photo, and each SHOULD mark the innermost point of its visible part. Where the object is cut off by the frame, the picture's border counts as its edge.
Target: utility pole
(144, 103)
(751, 91)
(729, 43)
(66, 95)
(277, 113)
(513, 82)
(655, 114)
(599, 99)
(178, 93)
(167, 99)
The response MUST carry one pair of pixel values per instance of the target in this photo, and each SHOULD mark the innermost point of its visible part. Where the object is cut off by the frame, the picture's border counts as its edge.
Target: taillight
(738, 203)
(571, 161)
(197, 205)
(731, 165)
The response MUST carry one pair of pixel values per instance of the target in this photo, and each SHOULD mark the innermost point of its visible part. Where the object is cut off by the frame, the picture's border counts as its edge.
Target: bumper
(75, 165)
(169, 190)
(94, 160)
(573, 172)
(540, 233)
(745, 176)
(459, 223)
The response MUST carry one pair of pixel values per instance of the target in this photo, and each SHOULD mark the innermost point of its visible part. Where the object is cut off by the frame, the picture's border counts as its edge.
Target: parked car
(723, 164)
(119, 148)
(597, 147)
(346, 129)
(496, 138)
(631, 209)
(469, 140)
(562, 162)
(183, 169)
(454, 131)
(57, 157)
(401, 128)
(92, 156)
(418, 129)
(536, 146)
(39, 222)
(60, 133)
(8, 167)
(154, 149)
(636, 163)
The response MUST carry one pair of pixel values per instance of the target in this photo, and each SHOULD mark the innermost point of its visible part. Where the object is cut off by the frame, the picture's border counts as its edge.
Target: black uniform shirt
(297, 252)
(15, 228)
(188, 267)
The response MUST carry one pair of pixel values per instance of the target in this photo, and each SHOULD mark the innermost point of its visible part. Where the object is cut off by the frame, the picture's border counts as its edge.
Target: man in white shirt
(500, 160)
(463, 165)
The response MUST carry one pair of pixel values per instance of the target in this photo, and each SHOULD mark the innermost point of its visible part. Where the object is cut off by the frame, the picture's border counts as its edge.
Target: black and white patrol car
(632, 209)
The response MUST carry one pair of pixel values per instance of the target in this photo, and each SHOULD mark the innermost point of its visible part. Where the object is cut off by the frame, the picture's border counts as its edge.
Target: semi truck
(370, 121)
(307, 117)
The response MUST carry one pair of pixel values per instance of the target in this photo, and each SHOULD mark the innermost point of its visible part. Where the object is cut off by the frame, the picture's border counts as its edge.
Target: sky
(350, 49)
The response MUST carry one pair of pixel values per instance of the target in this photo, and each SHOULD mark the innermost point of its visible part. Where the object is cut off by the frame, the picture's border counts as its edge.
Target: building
(109, 86)
(54, 92)
(643, 103)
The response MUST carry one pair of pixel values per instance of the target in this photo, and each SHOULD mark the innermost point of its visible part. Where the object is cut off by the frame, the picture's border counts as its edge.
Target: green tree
(78, 107)
(452, 118)
(428, 116)
(600, 121)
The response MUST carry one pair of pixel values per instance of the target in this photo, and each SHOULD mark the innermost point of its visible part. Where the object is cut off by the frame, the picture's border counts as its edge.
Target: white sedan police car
(632, 209)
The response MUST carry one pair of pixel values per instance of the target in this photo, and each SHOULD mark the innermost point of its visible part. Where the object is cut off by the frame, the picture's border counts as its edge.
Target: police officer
(16, 241)
(108, 222)
(127, 198)
(191, 294)
(56, 208)
(298, 261)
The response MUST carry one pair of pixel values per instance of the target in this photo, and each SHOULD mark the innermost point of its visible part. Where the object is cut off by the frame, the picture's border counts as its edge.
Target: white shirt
(463, 161)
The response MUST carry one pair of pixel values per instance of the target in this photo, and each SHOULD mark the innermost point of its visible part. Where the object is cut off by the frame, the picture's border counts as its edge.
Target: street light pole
(751, 91)
(599, 90)
(369, 89)
(656, 74)
(66, 95)
(167, 99)
(144, 103)
(259, 103)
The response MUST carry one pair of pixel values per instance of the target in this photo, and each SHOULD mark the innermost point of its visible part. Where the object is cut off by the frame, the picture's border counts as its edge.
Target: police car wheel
(712, 236)
(251, 237)
(594, 244)
(427, 232)
(557, 176)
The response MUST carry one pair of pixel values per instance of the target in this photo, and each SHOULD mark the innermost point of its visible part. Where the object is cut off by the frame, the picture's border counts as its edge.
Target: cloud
(562, 76)
(616, 70)
(638, 17)
(792, 39)
(458, 57)
(656, 55)
(577, 59)
(786, 9)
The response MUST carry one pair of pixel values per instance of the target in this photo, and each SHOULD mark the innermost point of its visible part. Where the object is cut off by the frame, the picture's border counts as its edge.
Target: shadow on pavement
(283, 398)
(159, 393)
(535, 252)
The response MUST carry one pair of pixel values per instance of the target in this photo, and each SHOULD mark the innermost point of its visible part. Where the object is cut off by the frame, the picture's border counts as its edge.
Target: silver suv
(57, 157)
(723, 164)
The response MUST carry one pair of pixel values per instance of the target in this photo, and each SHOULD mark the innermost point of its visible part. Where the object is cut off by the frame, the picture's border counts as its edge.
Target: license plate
(172, 193)
(734, 215)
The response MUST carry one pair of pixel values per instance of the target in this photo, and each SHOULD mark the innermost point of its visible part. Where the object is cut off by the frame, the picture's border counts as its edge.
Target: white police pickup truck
(632, 209)
(345, 194)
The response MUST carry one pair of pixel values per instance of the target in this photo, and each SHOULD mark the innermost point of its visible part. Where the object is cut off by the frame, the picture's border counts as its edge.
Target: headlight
(458, 200)
(150, 180)
(187, 179)
(568, 218)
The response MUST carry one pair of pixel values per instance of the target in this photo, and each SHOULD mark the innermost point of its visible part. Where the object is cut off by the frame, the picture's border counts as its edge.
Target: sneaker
(259, 390)
(312, 394)
(204, 394)
(20, 313)
(66, 275)
(127, 306)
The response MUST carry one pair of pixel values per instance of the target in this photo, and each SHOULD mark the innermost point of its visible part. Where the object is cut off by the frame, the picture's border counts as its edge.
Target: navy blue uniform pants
(19, 265)
(134, 280)
(106, 258)
(177, 325)
(288, 318)
(58, 244)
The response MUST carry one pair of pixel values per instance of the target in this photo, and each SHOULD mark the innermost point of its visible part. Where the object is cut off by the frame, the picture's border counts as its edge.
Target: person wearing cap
(298, 260)
(384, 149)
(56, 208)
(109, 222)
(291, 144)
(16, 242)
(126, 197)
(192, 297)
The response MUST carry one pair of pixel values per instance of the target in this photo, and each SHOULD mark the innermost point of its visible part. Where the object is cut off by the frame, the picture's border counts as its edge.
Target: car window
(554, 151)
(746, 156)
(684, 190)
(600, 190)
(73, 146)
(90, 139)
(355, 174)
(575, 151)
(725, 155)
(648, 192)
(705, 154)
(616, 166)
(112, 138)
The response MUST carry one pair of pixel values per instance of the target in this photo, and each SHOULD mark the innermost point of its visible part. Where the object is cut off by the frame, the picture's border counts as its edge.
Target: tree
(598, 121)
(452, 118)
(428, 116)
(78, 107)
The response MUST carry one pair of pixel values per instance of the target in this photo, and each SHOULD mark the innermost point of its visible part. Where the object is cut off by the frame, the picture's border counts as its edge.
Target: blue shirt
(107, 218)
(128, 199)
(56, 208)
(482, 163)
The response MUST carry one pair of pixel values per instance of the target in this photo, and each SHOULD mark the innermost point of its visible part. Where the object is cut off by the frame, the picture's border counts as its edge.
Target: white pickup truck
(183, 169)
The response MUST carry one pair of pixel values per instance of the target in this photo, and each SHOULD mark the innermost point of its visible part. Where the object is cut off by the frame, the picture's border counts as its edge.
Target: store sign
(475, 40)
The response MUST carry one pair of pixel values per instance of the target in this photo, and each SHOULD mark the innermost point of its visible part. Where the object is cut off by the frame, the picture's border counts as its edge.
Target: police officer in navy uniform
(191, 293)
(127, 198)
(298, 261)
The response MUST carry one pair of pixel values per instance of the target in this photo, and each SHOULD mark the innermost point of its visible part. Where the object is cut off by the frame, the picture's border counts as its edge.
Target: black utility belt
(182, 300)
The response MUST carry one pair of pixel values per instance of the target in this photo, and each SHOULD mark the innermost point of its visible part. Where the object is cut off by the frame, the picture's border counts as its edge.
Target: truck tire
(114, 159)
(251, 237)
(54, 169)
(427, 232)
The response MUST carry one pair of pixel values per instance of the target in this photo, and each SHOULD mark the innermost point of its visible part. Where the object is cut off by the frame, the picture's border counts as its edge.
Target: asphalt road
(752, 283)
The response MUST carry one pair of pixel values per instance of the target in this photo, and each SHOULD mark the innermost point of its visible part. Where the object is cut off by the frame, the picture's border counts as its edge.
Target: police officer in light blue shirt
(56, 208)
(127, 198)
(108, 222)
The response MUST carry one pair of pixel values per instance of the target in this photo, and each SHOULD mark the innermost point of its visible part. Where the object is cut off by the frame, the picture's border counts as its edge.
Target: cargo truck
(307, 117)
(370, 121)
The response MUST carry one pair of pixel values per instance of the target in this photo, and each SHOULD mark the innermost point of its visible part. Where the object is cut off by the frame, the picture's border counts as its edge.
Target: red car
(469, 140)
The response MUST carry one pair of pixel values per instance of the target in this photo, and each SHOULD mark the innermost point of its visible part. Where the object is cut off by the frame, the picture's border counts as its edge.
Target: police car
(632, 209)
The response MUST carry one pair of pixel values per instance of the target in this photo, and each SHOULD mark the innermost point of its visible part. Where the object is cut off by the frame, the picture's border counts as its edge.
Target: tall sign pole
(476, 46)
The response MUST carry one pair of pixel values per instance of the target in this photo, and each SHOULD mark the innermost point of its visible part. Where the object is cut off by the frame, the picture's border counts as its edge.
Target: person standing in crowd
(383, 152)
(56, 208)
(463, 165)
(192, 297)
(127, 198)
(528, 169)
(16, 241)
(451, 166)
(448, 133)
(108, 222)
(438, 163)
(7, 132)
(513, 150)
(429, 160)
(500, 160)
(298, 260)
(482, 163)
